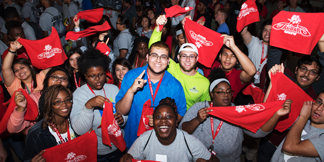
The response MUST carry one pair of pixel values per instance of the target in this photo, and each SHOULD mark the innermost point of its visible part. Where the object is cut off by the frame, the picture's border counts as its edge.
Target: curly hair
(93, 58)
(216, 73)
(168, 102)
(50, 95)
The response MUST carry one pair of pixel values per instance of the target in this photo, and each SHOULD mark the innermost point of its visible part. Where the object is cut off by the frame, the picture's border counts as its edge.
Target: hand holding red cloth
(175, 11)
(207, 41)
(256, 93)
(92, 16)
(248, 14)
(45, 53)
(296, 31)
(31, 110)
(71, 35)
(110, 131)
(250, 117)
(103, 48)
(144, 122)
(283, 88)
(83, 148)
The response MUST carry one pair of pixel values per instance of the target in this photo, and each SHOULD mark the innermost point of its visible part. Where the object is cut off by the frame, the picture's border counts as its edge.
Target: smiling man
(151, 82)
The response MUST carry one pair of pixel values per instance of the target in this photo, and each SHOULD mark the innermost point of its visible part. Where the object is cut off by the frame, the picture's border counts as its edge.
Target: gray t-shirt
(13, 4)
(146, 33)
(130, 13)
(176, 151)
(84, 119)
(73, 9)
(124, 40)
(228, 142)
(28, 11)
(28, 31)
(48, 17)
(314, 135)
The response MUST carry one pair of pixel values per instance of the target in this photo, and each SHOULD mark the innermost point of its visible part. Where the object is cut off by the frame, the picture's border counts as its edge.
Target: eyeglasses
(318, 102)
(94, 77)
(304, 69)
(190, 57)
(62, 79)
(59, 103)
(156, 56)
(220, 93)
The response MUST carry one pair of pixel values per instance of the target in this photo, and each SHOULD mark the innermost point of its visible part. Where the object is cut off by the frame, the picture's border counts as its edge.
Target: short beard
(192, 68)
(162, 71)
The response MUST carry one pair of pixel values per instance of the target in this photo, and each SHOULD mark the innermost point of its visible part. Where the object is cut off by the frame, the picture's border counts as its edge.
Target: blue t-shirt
(170, 87)
(223, 28)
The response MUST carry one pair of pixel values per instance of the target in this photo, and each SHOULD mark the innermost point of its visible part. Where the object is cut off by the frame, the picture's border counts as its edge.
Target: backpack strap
(187, 144)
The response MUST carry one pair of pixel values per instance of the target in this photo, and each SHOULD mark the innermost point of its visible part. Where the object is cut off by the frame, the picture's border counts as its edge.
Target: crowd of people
(163, 95)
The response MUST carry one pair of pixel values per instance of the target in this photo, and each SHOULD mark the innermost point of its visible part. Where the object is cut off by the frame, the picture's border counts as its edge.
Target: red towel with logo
(296, 31)
(71, 35)
(207, 41)
(144, 122)
(31, 110)
(282, 89)
(248, 14)
(251, 117)
(83, 148)
(175, 11)
(256, 93)
(46, 52)
(134, 160)
(110, 131)
(92, 16)
(103, 48)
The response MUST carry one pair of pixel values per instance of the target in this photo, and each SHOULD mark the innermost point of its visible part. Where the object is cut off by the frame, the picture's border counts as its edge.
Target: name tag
(162, 158)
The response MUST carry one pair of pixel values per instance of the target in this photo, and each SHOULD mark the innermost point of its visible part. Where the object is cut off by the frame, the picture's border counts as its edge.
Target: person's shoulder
(170, 78)
(111, 87)
(35, 130)
(81, 90)
(286, 8)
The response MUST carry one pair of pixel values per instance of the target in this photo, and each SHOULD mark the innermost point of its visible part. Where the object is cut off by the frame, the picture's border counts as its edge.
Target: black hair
(167, 102)
(137, 41)
(149, 21)
(217, 73)
(119, 61)
(72, 51)
(168, 28)
(51, 71)
(93, 58)
(112, 32)
(10, 12)
(266, 22)
(28, 64)
(13, 24)
(129, 1)
(308, 60)
(125, 21)
(175, 41)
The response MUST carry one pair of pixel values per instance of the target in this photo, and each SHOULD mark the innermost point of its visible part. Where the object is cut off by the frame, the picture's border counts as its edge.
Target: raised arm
(275, 69)
(7, 72)
(246, 35)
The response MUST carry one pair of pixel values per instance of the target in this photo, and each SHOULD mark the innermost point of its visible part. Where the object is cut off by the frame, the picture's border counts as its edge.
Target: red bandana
(206, 40)
(282, 89)
(110, 130)
(296, 31)
(256, 93)
(89, 31)
(175, 11)
(103, 48)
(46, 52)
(250, 117)
(144, 122)
(83, 148)
(92, 16)
(31, 110)
(248, 14)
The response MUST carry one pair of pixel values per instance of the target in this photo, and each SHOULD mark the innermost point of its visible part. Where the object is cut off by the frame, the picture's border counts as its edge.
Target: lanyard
(125, 10)
(95, 93)
(151, 89)
(263, 58)
(75, 81)
(137, 62)
(143, 32)
(294, 9)
(31, 88)
(58, 133)
(212, 126)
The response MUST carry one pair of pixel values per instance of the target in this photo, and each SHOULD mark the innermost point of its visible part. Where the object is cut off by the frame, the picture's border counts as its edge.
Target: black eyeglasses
(318, 102)
(156, 56)
(305, 70)
(221, 93)
(62, 79)
(190, 57)
(59, 103)
(94, 77)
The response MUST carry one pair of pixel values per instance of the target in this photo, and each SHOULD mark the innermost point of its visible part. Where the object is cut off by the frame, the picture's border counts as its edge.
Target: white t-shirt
(28, 10)
(64, 136)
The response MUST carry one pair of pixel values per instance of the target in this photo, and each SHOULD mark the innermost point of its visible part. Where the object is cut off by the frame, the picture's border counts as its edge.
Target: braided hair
(168, 102)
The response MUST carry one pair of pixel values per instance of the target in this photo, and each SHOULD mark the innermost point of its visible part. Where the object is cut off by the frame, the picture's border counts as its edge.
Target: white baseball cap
(193, 47)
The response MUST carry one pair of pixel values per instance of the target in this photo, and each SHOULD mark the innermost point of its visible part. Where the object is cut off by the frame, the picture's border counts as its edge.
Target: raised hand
(275, 69)
(286, 107)
(228, 41)
(306, 109)
(138, 83)
(76, 21)
(20, 101)
(202, 114)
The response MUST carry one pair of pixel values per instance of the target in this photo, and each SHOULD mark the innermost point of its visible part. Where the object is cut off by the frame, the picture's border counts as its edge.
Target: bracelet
(15, 53)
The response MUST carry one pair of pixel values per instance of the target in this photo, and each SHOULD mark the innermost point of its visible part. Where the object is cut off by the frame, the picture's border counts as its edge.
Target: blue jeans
(112, 157)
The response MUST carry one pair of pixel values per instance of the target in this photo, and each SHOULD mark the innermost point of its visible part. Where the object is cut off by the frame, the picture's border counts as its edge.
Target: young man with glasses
(151, 82)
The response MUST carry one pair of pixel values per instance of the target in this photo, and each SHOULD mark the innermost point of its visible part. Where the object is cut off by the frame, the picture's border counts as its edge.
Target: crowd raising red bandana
(71, 35)
(250, 117)
(103, 48)
(296, 31)
(175, 11)
(144, 122)
(83, 148)
(248, 14)
(92, 16)
(110, 130)
(31, 110)
(46, 52)
(206, 40)
(256, 93)
(282, 89)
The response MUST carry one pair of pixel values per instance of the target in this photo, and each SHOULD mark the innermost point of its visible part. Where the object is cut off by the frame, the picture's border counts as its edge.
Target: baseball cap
(193, 47)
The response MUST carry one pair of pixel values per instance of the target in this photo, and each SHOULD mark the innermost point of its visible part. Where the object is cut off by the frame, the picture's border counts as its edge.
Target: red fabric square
(248, 14)
(71, 35)
(92, 16)
(256, 93)
(144, 122)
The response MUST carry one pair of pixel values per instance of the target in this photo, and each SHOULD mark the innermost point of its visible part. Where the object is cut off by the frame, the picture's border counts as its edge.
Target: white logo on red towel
(200, 40)
(147, 127)
(72, 158)
(245, 11)
(255, 107)
(49, 52)
(292, 27)
(281, 97)
(113, 129)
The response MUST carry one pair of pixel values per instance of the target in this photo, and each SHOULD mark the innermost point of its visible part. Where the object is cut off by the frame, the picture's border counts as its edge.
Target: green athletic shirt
(196, 87)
